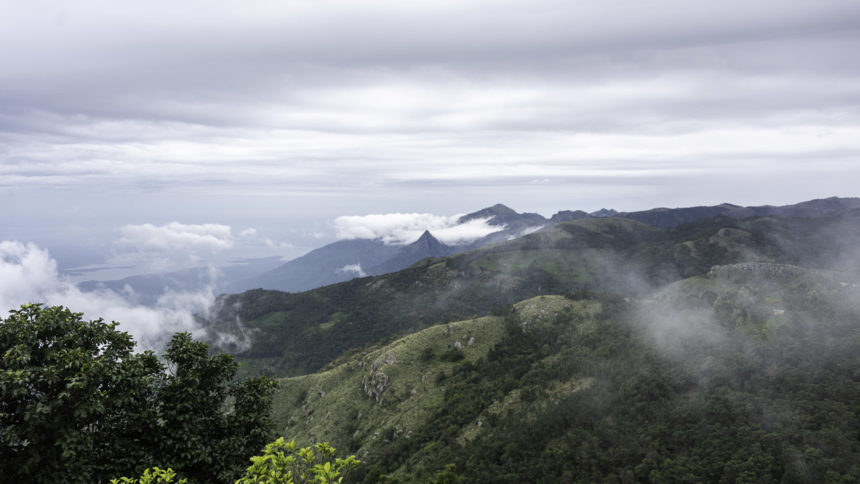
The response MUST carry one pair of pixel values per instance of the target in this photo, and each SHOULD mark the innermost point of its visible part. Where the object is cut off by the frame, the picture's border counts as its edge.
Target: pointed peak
(427, 236)
(426, 242)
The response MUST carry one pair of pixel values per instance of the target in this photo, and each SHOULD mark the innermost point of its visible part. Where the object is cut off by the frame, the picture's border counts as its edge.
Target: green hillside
(298, 333)
(750, 373)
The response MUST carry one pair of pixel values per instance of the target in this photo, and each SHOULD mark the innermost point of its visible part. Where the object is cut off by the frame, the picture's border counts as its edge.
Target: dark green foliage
(78, 405)
(448, 475)
(197, 439)
(75, 402)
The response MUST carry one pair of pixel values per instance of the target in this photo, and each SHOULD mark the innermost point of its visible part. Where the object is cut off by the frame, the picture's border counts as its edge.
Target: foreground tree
(77, 404)
(281, 463)
(196, 437)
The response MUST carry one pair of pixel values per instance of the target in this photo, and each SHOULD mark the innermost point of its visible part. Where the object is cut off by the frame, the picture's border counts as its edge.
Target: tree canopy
(78, 404)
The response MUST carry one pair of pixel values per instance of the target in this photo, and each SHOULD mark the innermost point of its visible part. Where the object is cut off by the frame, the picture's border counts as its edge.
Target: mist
(28, 274)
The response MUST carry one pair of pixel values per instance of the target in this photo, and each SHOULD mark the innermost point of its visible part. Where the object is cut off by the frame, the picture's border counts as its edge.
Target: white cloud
(526, 231)
(173, 246)
(249, 232)
(405, 228)
(467, 232)
(29, 274)
(353, 269)
(176, 235)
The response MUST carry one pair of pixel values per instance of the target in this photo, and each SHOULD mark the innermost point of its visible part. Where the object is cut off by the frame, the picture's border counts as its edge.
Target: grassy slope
(394, 388)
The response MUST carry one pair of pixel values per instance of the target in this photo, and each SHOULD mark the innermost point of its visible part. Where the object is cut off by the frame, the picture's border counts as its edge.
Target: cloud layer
(405, 228)
(302, 109)
(29, 274)
(319, 94)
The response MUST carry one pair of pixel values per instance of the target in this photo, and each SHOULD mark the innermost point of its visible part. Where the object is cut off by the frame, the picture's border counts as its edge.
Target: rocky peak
(427, 241)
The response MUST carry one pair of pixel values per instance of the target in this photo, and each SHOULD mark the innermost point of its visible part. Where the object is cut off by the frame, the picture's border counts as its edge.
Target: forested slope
(296, 333)
(748, 374)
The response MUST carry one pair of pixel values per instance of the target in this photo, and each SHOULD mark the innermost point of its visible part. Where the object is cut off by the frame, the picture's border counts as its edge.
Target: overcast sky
(219, 124)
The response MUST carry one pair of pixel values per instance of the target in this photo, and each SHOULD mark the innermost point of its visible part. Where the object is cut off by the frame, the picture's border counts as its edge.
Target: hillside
(746, 374)
(297, 333)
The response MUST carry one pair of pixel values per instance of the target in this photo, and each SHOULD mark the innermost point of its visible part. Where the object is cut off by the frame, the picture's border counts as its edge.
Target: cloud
(405, 228)
(29, 274)
(177, 236)
(525, 231)
(173, 246)
(353, 269)
(298, 108)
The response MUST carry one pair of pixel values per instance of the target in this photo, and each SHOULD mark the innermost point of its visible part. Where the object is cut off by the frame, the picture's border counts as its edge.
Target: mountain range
(346, 259)
(709, 345)
(703, 344)
(294, 333)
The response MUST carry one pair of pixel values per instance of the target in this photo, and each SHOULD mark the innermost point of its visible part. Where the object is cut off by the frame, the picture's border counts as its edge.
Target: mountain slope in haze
(747, 373)
(326, 265)
(336, 262)
(146, 289)
(290, 334)
(426, 246)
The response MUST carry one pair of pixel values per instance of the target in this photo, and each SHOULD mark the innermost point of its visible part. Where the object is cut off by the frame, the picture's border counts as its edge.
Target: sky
(165, 133)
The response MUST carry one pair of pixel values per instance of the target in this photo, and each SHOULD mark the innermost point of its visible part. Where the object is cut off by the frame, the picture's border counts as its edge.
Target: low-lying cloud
(151, 248)
(405, 228)
(177, 235)
(353, 269)
(29, 274)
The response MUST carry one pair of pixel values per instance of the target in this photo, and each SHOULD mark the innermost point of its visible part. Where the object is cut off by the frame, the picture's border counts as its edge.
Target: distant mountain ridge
(322, 266)
(344, 260)
(329, 264)
(671, 217)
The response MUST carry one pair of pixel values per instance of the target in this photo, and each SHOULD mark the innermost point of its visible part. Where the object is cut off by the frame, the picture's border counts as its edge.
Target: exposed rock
(375, 383)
